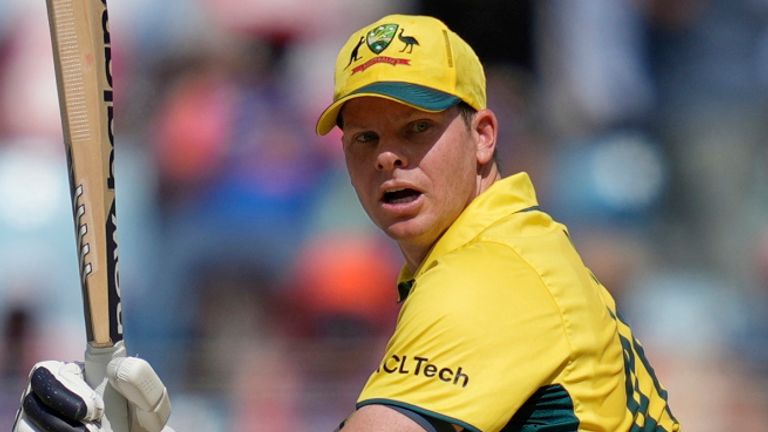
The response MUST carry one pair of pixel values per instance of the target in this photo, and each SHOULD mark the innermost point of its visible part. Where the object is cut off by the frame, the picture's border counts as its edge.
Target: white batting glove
(58, 399)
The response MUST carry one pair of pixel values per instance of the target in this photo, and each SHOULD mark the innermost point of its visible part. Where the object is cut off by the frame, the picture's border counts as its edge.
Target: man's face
(413, 171)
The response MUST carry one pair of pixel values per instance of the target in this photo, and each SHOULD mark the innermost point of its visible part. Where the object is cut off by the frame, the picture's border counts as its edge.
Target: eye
(361, 139)
(365, 137)
(419, 126)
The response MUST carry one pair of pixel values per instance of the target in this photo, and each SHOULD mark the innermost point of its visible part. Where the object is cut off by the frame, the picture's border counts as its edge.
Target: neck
(415, 254)
(413, 258)
(487, 177)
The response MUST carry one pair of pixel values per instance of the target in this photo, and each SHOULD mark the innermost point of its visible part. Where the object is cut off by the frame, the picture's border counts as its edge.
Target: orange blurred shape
(345, 273)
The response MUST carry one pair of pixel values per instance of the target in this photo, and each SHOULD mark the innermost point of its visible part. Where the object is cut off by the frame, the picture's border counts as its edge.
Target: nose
(390, 158)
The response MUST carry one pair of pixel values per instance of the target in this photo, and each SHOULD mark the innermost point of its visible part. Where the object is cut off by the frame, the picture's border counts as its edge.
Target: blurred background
(253, 281)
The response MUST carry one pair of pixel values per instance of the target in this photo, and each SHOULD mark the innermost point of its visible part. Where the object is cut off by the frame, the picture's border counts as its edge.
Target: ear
(485, 130)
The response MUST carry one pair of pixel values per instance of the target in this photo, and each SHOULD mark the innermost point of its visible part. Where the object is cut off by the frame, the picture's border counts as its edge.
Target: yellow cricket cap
(411, 59)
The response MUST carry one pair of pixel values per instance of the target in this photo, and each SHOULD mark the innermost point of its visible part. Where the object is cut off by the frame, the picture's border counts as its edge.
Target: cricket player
(501, 326)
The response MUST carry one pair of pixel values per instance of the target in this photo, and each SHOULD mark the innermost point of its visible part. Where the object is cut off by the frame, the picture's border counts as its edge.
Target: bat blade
(82, 58)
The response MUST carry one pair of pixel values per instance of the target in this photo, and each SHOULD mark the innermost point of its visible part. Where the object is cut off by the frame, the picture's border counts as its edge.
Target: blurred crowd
(253, 281)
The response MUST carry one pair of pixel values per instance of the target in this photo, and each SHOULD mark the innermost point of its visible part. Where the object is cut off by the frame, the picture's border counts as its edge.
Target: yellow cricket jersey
(503, 328)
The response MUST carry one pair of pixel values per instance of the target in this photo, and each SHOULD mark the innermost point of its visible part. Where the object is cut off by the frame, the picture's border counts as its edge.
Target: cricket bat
(82, 59)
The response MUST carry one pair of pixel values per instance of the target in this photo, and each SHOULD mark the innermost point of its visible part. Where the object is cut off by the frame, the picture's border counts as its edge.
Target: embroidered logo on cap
(379, 38)
(409, 41)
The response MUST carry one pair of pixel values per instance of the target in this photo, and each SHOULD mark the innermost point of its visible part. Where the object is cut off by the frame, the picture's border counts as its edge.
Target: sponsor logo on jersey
(420, 366)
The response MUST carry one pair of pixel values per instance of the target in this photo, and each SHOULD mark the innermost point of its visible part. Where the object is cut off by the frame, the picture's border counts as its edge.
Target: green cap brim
(416, 96)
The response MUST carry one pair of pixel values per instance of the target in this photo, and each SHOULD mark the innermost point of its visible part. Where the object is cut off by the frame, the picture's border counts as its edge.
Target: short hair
(466, 112)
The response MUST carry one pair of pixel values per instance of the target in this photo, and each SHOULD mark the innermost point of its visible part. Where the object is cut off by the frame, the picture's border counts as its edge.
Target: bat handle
(115, 405)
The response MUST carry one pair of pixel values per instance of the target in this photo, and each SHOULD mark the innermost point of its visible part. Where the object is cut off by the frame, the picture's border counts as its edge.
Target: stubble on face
(414, 172)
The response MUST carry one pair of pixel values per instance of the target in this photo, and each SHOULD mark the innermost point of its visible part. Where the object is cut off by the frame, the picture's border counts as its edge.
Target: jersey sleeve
(479, 334)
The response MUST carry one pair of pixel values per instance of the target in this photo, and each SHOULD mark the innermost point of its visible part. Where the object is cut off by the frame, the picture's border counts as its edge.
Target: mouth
(400, 196)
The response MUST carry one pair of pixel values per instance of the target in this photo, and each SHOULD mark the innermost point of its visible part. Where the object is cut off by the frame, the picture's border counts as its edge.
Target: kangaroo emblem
(409, 41)
(353, 56)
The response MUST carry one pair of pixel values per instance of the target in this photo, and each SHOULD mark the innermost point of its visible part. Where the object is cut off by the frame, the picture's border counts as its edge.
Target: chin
(410, 232)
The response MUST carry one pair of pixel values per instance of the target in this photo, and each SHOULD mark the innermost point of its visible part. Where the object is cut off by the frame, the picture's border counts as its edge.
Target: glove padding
(58, 399)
